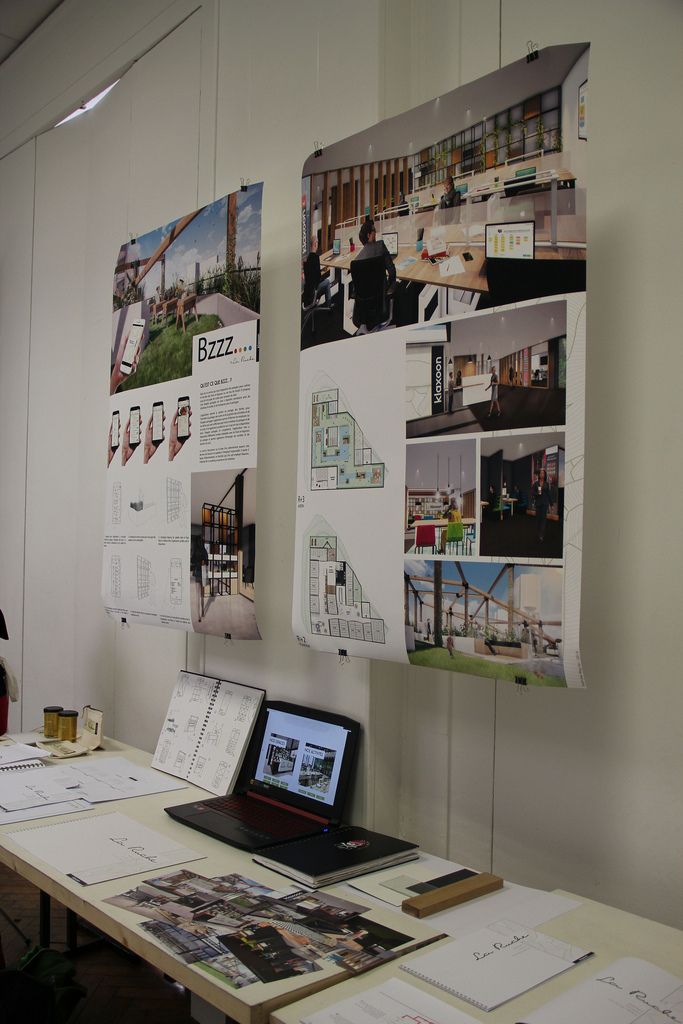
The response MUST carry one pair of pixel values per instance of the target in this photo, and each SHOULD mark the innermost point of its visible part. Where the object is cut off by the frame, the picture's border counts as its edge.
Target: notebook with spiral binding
(495, 964)
(207, 729)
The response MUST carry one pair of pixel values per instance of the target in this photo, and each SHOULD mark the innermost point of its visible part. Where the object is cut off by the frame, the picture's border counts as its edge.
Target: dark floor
(519, 407)
(324, 326)
(517, 537)
(120, 990)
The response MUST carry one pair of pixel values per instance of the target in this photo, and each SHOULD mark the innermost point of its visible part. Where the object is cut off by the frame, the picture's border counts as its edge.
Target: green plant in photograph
(168, 354)
(438, 657)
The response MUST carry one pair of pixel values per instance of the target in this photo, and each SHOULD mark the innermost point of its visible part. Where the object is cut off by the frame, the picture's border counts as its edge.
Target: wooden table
(249, 1005)
(609, 932)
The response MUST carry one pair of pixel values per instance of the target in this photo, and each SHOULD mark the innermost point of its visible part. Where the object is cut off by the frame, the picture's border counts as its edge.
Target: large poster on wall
(180, 532)
(442, 370)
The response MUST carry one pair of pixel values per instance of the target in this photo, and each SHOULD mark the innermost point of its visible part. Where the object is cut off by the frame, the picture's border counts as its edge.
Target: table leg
(44, 926)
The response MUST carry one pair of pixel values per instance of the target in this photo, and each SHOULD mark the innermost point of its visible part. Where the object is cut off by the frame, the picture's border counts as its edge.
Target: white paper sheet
(45, 811)
(392, 1001)
(628, 990)
(95, 780)
(495, 964)
(101, 847)
(12, 753)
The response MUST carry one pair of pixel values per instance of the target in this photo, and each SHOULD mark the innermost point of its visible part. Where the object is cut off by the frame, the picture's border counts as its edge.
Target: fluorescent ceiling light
(89, 105)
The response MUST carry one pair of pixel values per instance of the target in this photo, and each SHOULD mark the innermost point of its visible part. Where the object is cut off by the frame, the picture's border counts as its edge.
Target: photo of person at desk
(374, 282)
(487, 209)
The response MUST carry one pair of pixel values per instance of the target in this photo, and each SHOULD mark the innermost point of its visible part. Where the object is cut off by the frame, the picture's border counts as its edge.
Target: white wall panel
(588, 785)
(80, 48)
(16, 230)
(52, 601)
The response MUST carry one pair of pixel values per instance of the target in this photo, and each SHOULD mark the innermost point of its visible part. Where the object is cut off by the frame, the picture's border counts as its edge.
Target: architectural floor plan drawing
(336, 604)
(340, 455)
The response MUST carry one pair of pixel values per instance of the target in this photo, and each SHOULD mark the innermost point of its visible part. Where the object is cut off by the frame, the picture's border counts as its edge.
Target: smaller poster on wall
(180, 509)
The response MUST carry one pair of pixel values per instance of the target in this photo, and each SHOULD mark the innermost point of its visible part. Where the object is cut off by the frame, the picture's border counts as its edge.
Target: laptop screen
(336, 247)
(390, 239)
(514, 240)
(302, 757)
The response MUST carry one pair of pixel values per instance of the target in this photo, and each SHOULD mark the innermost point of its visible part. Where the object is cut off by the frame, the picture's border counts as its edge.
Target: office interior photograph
(441, 498)
(525, 348)
(444, 187)
(565, 791)
(223, 553)
(522, 495)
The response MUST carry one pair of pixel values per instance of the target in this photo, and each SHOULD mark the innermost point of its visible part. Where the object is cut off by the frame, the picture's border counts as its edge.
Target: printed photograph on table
(243, 932)
(501, 620)
(473, 200)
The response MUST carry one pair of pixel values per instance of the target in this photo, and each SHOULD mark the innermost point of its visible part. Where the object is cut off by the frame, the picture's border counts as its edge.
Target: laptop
(293, 783)
(390, 239)
(336, 247)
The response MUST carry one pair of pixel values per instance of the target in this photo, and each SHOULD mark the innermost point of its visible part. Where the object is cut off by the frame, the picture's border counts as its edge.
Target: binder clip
(227, 638)
(317, 149)
(124, 622)
(344, 657)
(244, 185)
(520, 684)
(531, 51)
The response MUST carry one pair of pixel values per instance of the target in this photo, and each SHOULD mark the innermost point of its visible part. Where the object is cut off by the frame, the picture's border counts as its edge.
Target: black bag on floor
(40, 990)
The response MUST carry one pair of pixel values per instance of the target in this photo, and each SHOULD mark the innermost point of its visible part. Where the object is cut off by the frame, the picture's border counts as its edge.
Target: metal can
(66, 725)
(50, 720)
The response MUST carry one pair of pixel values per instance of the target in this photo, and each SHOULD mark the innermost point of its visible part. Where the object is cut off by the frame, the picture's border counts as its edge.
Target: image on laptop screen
(336, 247)
(301, 755)
(512, 241)
(390, 239)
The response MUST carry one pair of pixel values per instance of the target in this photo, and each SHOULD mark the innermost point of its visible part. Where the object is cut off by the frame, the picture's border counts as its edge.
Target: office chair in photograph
(372, 309)
(309, 298)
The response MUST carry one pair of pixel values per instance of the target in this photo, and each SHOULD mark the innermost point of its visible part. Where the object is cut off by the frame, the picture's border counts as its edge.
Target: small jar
(50, 720)
(66, 725)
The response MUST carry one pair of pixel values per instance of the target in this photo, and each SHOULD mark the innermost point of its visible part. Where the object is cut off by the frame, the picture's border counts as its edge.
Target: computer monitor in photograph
(336, 247)
(390, 239)
(512, 241)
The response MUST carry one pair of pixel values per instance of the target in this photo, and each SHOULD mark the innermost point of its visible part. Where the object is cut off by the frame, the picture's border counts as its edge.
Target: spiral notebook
(208, 725)
(495, 964)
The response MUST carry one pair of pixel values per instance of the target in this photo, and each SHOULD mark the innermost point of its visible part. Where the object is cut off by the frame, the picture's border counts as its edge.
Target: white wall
(581, 790)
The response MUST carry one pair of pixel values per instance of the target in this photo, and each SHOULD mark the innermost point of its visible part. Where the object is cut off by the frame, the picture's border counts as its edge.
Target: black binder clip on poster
(531, 51)
(317, 148)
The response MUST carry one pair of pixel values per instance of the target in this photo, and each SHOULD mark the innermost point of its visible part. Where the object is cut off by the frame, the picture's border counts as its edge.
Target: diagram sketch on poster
(176, 581)
(116, 503)
(115, 576)
(145, 578)
(337, 606)
(340, 454)
(176, 500)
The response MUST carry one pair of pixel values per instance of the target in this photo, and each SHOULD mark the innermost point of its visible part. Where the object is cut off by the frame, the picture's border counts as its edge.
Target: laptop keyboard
(261, 817)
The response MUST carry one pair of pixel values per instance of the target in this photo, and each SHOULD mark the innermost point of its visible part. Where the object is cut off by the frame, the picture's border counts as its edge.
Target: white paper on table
(95, 780)
(392, 884)
(453, 265)
(102, 847)
(13, 753)
(45, 811)
(529, 907)
(491, 966)
(628, 990)
(392, 1001)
